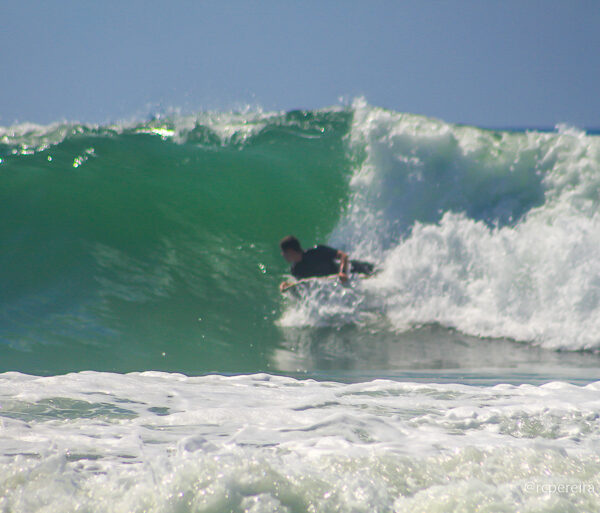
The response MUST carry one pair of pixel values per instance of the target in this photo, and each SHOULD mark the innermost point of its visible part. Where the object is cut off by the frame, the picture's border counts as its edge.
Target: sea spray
(493, 233)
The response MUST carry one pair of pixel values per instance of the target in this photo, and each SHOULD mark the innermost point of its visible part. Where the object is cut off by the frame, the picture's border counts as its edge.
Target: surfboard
(295, 286)
(291, 285)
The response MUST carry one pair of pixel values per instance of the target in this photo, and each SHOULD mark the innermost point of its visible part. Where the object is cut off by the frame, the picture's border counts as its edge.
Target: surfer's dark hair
(290, 242)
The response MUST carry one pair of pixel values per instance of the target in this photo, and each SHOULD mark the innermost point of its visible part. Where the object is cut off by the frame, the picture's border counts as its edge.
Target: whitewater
(167, 442)
(148, 361)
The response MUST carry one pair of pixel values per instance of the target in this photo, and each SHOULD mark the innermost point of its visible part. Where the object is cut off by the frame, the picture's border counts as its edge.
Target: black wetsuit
(321, 261)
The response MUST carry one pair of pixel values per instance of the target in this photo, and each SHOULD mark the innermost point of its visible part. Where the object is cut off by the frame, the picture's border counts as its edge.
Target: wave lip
(207, 128)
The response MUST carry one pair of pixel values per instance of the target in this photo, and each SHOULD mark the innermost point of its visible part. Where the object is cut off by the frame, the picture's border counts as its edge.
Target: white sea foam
(492, 233)
(166, 442)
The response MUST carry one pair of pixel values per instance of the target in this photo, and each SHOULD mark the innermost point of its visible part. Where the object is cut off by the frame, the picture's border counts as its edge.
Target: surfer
(318, 261)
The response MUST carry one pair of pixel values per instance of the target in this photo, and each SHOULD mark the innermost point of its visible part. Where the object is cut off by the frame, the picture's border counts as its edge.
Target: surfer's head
(291, 249)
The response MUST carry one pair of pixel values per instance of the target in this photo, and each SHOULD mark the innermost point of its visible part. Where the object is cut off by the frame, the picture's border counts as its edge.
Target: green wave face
(156, 246)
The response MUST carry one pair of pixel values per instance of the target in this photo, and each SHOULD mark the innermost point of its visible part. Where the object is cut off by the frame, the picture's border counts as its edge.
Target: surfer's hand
(343, 277)
(283, 286)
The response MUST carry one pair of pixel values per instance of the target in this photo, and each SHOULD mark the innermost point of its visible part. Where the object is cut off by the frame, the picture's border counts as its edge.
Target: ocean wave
(490, 232)
(157, 239)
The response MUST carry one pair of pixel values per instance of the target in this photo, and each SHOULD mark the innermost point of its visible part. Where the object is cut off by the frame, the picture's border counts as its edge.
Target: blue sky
(525, 63)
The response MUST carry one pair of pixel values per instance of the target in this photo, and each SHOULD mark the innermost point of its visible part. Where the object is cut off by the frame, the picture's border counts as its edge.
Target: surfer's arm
(343, 258)
(284, 285)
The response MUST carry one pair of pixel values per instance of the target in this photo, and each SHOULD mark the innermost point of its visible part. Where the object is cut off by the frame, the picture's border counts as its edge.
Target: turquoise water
(128, 250)
(149, 363)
